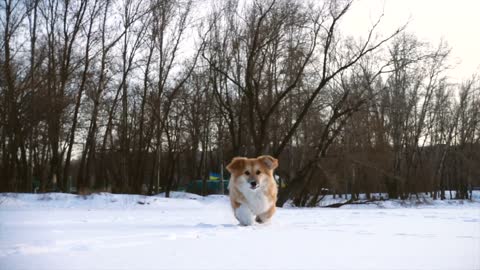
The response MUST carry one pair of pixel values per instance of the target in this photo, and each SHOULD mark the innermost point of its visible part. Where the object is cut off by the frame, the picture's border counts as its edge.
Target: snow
(107, 231)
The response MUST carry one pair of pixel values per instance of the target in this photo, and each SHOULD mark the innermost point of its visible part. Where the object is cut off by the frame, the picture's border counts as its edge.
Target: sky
(456, 21)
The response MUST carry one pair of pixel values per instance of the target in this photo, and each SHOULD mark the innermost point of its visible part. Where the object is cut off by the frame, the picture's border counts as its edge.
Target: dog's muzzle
(253, 183)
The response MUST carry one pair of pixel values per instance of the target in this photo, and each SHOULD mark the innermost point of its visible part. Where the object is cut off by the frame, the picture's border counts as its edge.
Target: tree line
(138, 96)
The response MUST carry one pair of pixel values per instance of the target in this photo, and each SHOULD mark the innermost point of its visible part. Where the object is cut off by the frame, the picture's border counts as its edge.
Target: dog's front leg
(244, 215)
(265, 217)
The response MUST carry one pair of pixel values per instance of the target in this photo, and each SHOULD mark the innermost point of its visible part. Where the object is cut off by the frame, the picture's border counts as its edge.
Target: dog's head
(252, 172)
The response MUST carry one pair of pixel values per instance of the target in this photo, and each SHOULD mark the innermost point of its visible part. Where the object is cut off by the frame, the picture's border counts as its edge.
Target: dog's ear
(270, 162)
(236, 164)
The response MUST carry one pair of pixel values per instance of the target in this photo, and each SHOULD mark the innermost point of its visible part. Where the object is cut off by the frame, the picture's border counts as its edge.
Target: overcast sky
(456, 21)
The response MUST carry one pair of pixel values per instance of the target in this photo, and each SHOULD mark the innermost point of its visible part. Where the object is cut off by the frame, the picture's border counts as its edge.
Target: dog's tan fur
(267, 193)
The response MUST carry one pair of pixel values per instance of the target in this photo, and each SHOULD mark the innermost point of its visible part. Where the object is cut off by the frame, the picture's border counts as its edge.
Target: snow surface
(106, 231)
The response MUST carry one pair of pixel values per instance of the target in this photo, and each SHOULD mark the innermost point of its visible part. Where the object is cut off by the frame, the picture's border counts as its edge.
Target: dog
(252, 188)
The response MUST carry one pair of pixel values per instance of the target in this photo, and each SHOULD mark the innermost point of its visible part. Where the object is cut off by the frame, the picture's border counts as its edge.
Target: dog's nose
(253, 184)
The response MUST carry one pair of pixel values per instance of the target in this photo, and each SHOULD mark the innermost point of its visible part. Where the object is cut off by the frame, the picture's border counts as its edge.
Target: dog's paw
(246, 221)
(246, 224)
(244, 215)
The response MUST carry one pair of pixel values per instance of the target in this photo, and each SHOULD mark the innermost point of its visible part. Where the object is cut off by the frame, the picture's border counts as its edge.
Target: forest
(142, 97)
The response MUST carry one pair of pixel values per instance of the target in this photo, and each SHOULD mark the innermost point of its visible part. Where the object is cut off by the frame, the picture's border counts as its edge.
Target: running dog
(252, 189)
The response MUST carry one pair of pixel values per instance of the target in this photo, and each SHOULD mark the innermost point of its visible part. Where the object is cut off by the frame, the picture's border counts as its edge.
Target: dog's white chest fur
(255, 199)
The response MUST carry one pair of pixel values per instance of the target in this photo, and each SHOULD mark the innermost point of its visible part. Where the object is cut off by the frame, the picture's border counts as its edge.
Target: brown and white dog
(252, 188)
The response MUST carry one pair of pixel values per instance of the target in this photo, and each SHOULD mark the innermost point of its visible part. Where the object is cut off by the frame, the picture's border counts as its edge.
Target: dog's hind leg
(244, 215)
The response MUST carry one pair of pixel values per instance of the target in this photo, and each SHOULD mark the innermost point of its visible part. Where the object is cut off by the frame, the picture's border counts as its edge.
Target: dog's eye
(247, 172)
(258, 172)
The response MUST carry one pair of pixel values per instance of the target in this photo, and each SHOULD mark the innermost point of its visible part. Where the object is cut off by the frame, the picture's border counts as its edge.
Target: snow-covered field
(105, 231)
